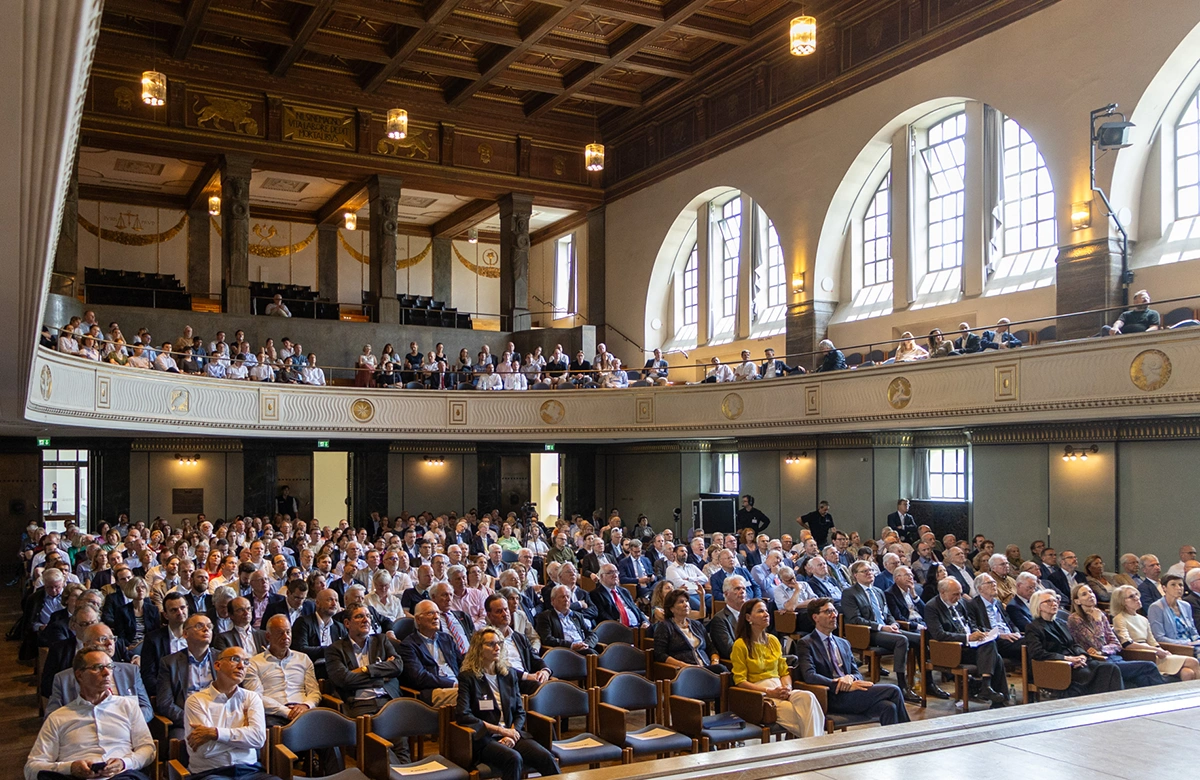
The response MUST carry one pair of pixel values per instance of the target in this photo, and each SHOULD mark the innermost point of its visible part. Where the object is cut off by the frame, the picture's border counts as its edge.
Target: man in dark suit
(1150, 588)
(948, 621)
(294, 605)
(364, 668)
(198, 599)
(773, 367)
(827, 660)
(1065, 577)
(613, 602)
(40, 606)
(311, 634)
(818, 522)
(243, 634)
(967, 342)
(430, 658)
(1017, 610)
(987, 612)
(903, 523)
(116, 599)
(530, 668)
(863, 604)
(455, 622)
(903, 600)
(637, 569)
(956, 566)
(183, 673)
(559, 626)
(589, 564)
(161, 642)
(580, 602)
(723, 625)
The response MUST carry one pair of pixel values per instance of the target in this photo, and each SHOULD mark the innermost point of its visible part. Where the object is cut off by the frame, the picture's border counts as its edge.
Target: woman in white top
(536, 544)
(87, 349)
(364, 374)
(530, 369)
(909, 350)
(514, 379)
(1134, 631)
(433, 371)
(381, 597)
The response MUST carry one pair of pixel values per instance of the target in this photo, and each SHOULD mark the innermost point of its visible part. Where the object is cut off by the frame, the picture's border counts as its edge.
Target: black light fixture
(792, 458)
(1079, 452)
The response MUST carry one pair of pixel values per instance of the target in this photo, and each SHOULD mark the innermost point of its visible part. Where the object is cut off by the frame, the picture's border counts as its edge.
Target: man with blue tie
(863, 604)
(827, 660)
(614, 602)
(988, 612)
(637, 569)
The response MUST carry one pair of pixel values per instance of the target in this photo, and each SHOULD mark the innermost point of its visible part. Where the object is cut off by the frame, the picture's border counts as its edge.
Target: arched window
(769, 307)
(691, 288)
(1187, 160)
(729, 251)
(1029, 221)
(946, 162)
(877, 237)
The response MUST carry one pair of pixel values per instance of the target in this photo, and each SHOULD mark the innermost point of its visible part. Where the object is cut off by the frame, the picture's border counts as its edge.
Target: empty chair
(621, 657)
(566, 664)
(610, 631)
(697, 706)
(409, 720)
(628, 691)
(854, 359)
(1047, 334)
(876, 356)
(554, 701)
(318, 729)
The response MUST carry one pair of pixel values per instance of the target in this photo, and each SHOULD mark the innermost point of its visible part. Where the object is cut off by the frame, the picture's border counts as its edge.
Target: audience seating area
(126, 288)
(300, 301)
(424, 310)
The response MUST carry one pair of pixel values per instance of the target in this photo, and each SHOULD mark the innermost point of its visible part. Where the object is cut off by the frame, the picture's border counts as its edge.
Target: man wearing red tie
(613, 602)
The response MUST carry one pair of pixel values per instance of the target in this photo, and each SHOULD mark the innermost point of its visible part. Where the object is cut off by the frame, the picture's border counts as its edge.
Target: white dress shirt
(746, 371)
(311, 375)
(283, 681)
(240, 724)
(686, 576)
(165, 362)
(490, 382)
(81, 731)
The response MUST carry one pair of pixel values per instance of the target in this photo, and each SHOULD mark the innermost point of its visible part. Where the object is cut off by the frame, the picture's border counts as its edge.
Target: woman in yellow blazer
(758, 665)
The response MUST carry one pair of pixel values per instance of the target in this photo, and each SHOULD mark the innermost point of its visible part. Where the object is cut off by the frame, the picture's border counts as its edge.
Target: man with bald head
(126, 680)
(285, 678)
(949, 621)
(224, 724)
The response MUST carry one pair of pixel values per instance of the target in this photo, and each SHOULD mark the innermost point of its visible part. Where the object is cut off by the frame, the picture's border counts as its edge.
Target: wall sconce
(214, 205)
(437, 460)
(792, 458)
(187, 460)
(1071, 452)
(798, 283)
(1081, 215)
(351, 220)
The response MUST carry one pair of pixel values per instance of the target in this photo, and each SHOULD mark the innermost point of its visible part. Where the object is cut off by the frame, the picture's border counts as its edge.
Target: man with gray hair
(285, 678)
(126, 678)
(999, 567)
(63, 651)
(833, 359)
(722, 628)
(987, 612)
(1018, 611)
(464, 599)
(560, 626)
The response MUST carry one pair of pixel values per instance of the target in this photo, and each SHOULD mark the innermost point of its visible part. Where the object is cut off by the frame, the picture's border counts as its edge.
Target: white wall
(541, 279)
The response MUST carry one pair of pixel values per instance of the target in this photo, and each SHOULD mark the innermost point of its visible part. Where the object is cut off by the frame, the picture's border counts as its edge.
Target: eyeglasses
(237, 660)
(493, 644)
(101, 667)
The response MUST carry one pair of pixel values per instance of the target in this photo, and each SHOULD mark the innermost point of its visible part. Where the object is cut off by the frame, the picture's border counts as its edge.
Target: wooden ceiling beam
(435, 12)
(313, 20)
(465, 218)
(195, 195)
(498, 61)
(193, 19)
(625, 47)
(719, 29)
(107, 194)
(350, 197)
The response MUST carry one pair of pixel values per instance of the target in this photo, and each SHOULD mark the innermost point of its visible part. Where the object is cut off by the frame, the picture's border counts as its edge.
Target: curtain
(993, 184)
(920, 472)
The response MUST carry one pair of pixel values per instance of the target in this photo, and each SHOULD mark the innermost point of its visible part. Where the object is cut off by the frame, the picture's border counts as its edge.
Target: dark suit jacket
(58, 629)
(533, 662)
(581, 604)
(272, 599)
(630, 569)
(108, 612)
(899, 608)
(977, 612)
(1018, 614)
(494, 569)
(507, 708)
(172, 688)
(1063, 584)
(209, 609)
(306, 637)
(964, 579)
(125, 626)
(155, 647)
(590, 563)
(420, 667)
(1149, 592)
(606, 608)
(940, 622)
(1050, 641)
(904, 525)
(833, 360)
(342, 667)
(721, 630)
(228, 639)
(550, 630)
(969, 343)
(815, 666)
(669, 642)
(280, 607)
(857, 608)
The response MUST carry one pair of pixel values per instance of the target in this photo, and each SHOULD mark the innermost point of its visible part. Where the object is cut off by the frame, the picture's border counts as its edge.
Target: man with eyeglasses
(70, 744)
(185, 672)
(126, 680)
(224, 724)
(430, 658)
(1065, 577)
(1187, 553)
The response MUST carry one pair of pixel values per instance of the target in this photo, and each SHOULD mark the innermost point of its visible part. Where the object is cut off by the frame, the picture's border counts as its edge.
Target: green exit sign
(43, 442)
(549, 448)
(323, 444)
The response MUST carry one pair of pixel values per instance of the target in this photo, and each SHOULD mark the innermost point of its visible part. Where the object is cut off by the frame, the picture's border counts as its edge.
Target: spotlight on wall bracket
(187, 460)
(435, 460)
(793, 458)
(1072, 452)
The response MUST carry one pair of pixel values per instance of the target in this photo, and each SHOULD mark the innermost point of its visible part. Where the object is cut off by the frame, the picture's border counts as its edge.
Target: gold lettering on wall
(318, 127)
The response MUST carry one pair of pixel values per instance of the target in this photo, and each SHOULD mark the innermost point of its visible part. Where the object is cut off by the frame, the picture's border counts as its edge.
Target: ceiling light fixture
(473, 236)
(351, 220)
(593, 153)
(802, 35)
(154, 88)
(214, 205)
(397, 123)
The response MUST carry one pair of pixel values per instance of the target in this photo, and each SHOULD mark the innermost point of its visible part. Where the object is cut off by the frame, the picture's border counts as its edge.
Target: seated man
(637, 569)
(686, 576)
(285, 678)
(613, 602)
(312, 633)
(430, 658)
(126, 681)
(183, 673)
(773, 367)
(903, 600)
(1140, 319)
(729, 567)
(242, 634)
(948, 621)
(518, 651)
(364, 668)
(1000, 338)
(863, 604)
(224, 725)
(722, 628)
(987, 612)
(833, 359)
(826, 659)
(968, 342)
(559, 626)
(69, 744)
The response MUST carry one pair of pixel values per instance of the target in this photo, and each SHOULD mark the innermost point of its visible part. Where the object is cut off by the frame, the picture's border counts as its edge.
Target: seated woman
(758, 664)
(939, 345)
(489, 703)
(933, 575)
(1101, 584)
(1049, 639)
(1133, 630)
(681, 641)
(908, 350)
(1090, 629)
(1171, 617)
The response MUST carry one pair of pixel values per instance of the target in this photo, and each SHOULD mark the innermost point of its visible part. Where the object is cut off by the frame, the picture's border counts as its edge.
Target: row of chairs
(104, 287)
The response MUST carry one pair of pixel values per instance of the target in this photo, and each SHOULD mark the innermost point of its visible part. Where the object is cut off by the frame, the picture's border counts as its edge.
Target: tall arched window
(877, 237)
(691, 288)
(729, 230)
(946, 163)
(1029, 221)
(1187, 160)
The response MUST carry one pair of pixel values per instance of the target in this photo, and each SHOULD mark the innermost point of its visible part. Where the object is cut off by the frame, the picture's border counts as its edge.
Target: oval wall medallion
(552, 412)
(46, 383)
(899, 393)
(362, 410)
(1150, 370)
(732, 406)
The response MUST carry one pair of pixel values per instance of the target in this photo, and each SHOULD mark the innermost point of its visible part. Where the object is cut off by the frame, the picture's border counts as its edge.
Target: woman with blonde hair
(1091, 630)
(909, 350)
(758, 665)
(490, 705)
(1133, 629)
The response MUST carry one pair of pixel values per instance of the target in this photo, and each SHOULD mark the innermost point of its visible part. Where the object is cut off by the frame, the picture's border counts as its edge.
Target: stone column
(384, 196)
(327, 262)
(1089, 277)
(443, 270)
(515, 211)
(199, 252)
(807, 324)
(66, 254)
(235, 229)
(595, 311)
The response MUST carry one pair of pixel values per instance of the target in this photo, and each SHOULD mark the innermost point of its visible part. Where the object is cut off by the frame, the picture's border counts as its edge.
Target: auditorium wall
(154, 475)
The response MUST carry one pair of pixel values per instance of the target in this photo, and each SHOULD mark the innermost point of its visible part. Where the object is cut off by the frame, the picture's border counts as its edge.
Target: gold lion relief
(219, 109)
(1150, 370)
(415, 147)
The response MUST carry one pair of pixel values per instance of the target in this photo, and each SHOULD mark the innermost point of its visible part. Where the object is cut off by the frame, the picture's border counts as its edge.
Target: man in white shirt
(310, 374)
(286, 679)
(719, 372)
(138, 359)
(224, 724)
(489, 379)
(1187, 553)
(747, 370)
(97, 731)
(164, 361)
(277, 308)
(682, 574)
